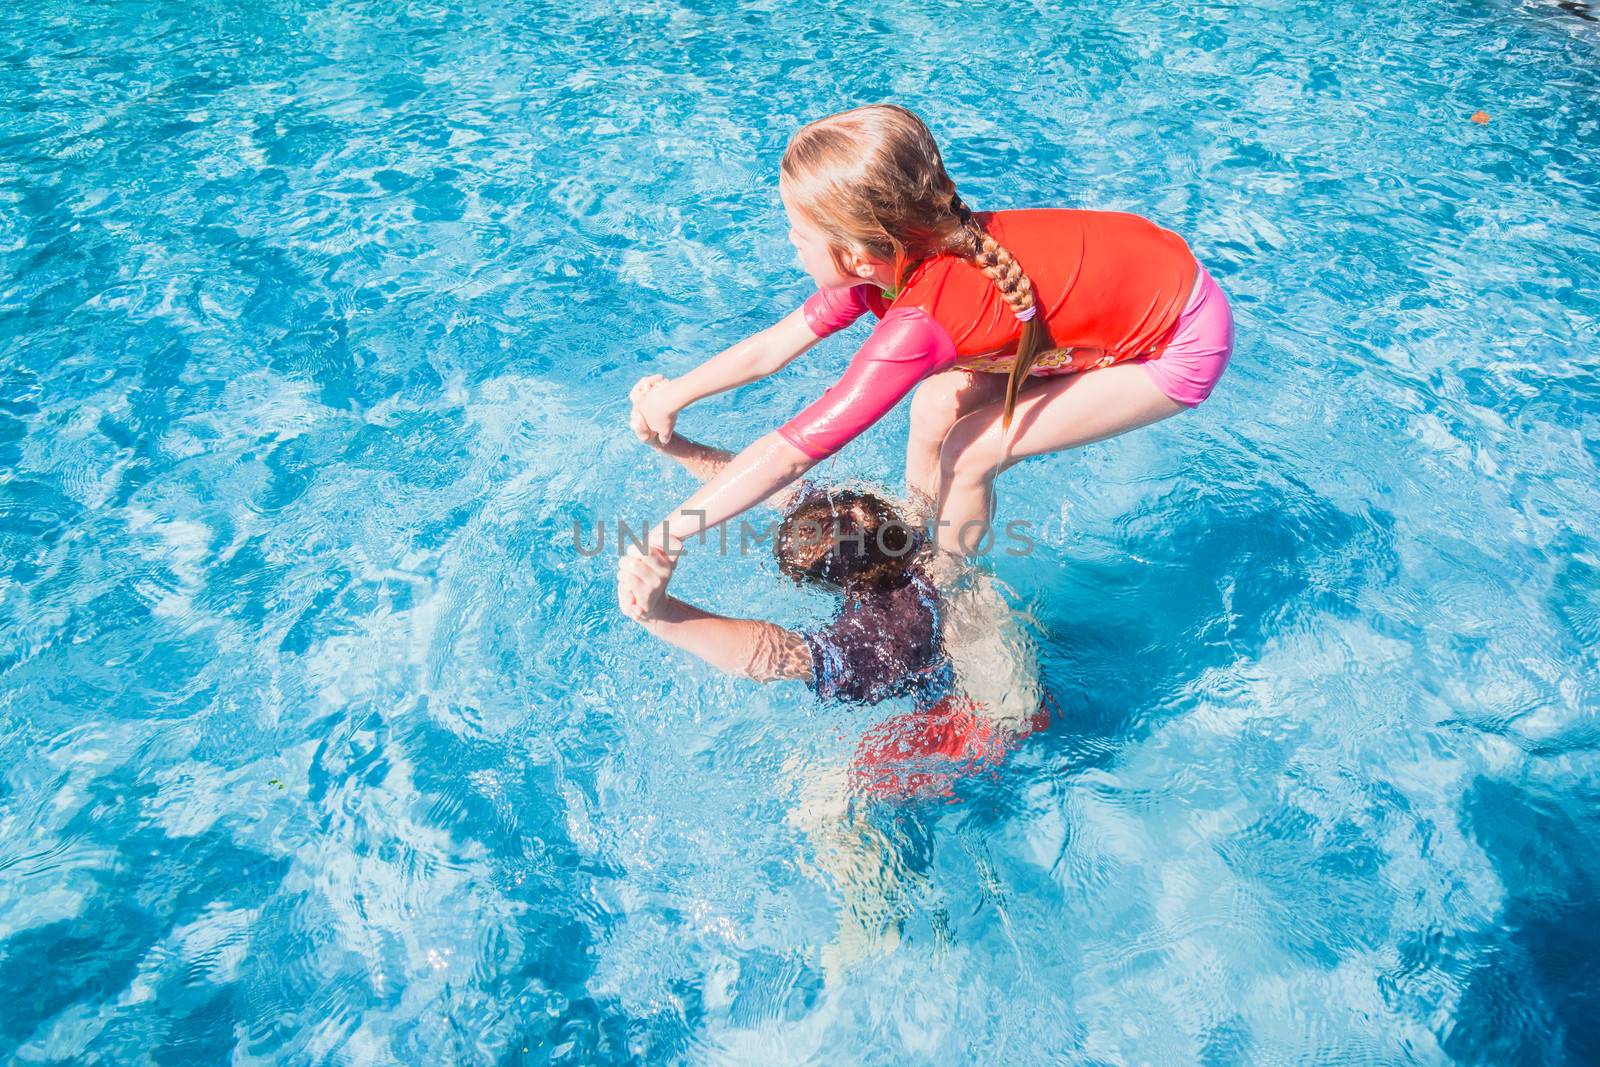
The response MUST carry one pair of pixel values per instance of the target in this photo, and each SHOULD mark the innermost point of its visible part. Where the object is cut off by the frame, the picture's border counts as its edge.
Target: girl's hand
(642, 583)
(654, 414)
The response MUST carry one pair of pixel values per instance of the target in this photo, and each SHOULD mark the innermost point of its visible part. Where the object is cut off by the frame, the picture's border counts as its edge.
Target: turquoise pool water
(320, 744)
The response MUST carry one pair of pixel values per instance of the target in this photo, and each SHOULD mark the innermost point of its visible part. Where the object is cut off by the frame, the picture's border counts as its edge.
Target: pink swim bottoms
(1188, 368)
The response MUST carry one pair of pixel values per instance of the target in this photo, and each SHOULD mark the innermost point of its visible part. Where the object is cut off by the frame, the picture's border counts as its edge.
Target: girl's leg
(937, 405)
(1054, 414)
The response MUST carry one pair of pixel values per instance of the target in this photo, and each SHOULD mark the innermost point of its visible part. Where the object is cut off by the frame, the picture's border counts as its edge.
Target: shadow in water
(89, 961)
(228, 951)
(1200, 579)
(1532, 993)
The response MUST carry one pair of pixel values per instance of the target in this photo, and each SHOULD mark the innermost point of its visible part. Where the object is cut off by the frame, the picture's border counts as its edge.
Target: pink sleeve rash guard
(906, 346)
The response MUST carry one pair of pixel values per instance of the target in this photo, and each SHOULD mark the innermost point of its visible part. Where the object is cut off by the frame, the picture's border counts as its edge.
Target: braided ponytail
(1001, 268)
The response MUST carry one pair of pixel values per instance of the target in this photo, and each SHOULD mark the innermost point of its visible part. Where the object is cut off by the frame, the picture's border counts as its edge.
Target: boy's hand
(654, 416)
(642, 583)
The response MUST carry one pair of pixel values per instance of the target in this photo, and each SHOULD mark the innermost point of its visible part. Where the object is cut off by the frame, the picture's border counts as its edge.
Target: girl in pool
(1022, 332)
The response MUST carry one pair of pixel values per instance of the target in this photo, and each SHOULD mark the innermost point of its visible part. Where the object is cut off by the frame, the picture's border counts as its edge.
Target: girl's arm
(750, 360)
(657, 400)
(907, 346)
(752, 476)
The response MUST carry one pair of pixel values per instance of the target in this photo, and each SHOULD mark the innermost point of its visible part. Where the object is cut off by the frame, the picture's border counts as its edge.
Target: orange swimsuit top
(1107, 283)
(1110, 287)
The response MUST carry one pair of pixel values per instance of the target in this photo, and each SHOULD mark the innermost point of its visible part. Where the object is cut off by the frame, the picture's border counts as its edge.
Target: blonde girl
(1022, 332)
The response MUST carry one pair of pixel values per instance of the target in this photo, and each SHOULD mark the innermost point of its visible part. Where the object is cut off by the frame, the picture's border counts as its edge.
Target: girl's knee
(971, 449)
(935, 408)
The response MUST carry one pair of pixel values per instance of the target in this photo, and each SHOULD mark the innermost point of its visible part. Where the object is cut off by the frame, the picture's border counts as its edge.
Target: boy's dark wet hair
(847, 540)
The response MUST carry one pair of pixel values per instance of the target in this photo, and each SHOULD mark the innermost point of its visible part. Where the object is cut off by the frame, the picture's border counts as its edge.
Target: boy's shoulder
(878, 646)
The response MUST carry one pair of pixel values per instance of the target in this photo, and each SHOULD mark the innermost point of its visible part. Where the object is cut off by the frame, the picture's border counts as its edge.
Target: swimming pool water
(319, 743)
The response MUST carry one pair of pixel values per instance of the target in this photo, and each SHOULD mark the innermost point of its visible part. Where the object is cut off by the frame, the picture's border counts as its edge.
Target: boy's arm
(705, 462)
(760, 650)
(763, 651)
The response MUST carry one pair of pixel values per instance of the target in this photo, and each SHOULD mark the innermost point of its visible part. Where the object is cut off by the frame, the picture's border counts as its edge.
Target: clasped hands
(644, 572)
(654, 414)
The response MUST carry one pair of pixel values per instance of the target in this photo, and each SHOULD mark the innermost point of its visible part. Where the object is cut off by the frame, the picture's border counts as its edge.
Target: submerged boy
(893, 636)
(886, 641)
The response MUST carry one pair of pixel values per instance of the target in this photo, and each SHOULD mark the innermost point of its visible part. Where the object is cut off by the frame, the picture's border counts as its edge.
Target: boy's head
(846, 540)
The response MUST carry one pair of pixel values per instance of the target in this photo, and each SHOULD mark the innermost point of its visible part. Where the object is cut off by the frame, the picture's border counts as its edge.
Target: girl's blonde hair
(872, 177)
